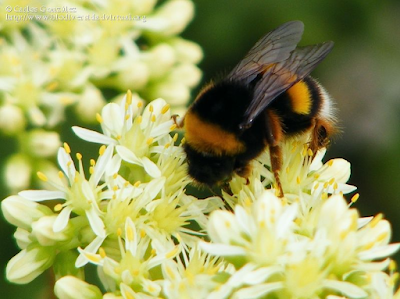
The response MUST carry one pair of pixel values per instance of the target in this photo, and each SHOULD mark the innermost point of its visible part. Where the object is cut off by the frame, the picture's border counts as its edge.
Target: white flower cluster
(130, 216)
(80, 54)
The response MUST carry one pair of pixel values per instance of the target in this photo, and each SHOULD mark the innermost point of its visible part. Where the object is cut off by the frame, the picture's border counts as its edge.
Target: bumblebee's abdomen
(298, 106)
(209, 137)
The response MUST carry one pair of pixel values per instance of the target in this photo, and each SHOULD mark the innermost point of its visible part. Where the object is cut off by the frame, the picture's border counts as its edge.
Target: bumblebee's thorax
(212, 122)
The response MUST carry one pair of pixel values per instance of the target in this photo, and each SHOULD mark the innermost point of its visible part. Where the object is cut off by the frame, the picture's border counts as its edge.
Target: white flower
(81, 196)
(131, 272)
(265, 240)
(303, 171)
(195, 275)
(135, 137)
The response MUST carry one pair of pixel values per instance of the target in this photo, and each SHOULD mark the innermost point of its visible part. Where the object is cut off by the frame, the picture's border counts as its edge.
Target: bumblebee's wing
(278, 77)
(274, 47)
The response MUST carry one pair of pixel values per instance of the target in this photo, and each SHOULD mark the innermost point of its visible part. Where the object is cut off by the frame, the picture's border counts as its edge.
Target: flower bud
(17, 172)
(12, 120)
(21, 212)
(89, 104)
(29, 264)
(175, 93)
(171, 18)
(70, 287)
(44, 233)
(43, 144)
(187, 51)
(160, 59)
(186, 73)
(134, 75)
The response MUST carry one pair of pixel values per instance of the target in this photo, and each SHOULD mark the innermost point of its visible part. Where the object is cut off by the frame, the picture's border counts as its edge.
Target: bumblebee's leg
(179, 124)
(320, 135)
(243, 170)
(276, 163)
(274, 137)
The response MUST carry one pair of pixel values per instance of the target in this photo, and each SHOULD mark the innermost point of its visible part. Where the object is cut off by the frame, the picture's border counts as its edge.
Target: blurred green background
(362, 74)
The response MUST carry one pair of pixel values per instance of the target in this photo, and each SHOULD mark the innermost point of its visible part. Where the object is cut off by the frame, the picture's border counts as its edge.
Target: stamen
(67, 148)
(99, 118)
(58, 207)
(102, 252)
(392, 266)
(42, 176)
(150, 140)
(376, 219)
(129, 233)
(52, 86)
(355, 197)
(129, 97)
(172, 253)
(165, 109)
(102, 150)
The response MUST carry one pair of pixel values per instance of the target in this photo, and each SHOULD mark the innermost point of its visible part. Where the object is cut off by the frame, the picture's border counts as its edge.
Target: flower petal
(96, 223)
(41, 195)
(222, 250)
(345, 288)
(62, 219)
(379, 252)
(258, 291)
(101, 165)
(92, 248)
(151, 168)
(93, 136)
(127, 155)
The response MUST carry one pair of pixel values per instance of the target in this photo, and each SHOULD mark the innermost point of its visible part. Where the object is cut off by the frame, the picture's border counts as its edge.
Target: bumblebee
(267, 98)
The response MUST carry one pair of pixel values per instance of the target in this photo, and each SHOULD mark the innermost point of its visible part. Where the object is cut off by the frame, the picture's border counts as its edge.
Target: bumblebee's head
(208, 169)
